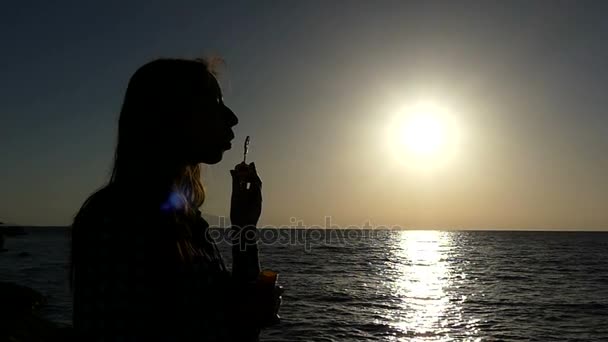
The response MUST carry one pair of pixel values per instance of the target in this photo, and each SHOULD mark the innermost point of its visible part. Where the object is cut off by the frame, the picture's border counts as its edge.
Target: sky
(318, 85)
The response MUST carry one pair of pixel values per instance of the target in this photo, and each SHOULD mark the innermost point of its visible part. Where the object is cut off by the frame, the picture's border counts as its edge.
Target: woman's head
(173, 112)
(173, 118)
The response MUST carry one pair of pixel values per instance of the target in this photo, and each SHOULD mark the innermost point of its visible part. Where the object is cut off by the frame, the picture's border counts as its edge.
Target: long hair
(148, 154)
(150, 164)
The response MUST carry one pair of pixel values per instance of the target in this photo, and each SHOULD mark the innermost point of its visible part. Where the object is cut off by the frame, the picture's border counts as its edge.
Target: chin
(212, 158)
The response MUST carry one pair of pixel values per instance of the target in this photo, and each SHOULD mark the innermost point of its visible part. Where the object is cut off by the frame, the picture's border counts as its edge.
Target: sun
(423, 134)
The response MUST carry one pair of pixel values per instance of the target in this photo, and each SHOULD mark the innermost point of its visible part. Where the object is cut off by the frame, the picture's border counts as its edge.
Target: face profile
(208, 132)
(173, 113)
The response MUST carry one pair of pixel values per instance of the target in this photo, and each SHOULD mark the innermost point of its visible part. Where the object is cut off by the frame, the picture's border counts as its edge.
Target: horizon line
(379, 227)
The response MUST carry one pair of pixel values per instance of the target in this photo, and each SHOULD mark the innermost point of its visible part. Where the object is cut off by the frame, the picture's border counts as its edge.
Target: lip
(228, 144)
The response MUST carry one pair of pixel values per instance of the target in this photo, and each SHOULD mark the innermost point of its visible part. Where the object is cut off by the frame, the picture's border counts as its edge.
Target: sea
(389, 285)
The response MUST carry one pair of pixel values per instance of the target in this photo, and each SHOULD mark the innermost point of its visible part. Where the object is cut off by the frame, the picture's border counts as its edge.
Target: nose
(231, 118)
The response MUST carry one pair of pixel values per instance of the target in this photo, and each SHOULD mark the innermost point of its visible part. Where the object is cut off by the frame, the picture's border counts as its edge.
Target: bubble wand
(245, 150)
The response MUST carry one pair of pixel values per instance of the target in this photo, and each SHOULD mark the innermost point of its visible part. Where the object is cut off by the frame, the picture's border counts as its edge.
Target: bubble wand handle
(245, 149)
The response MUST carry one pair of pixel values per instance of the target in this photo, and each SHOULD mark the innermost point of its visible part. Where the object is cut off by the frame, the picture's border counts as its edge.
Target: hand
(268, 305)
(246, 201)
(278, 299)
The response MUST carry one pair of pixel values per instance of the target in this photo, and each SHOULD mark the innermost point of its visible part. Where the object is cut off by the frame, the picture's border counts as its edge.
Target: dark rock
(16, 298)
(20, 320)
(24, 254)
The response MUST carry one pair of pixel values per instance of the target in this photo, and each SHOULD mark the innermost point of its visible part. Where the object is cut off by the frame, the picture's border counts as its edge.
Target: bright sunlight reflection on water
(427, 310)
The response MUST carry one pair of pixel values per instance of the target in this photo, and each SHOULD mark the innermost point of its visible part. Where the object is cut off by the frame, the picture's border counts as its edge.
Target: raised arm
(245, 210)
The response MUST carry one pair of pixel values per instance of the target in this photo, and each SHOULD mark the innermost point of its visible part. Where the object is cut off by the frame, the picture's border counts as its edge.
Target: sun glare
(423, 135)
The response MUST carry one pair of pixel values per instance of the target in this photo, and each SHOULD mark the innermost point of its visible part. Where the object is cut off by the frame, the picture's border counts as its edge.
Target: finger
(237, 183)
(242, 177)
(255, 190)
(253, 175)
(235, 177)
(277, 305)
(253, 169)
(255, 181)
(241, 165)
(250, 177)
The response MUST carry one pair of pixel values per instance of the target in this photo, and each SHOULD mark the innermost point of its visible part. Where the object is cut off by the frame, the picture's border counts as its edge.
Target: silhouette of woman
(143, 263)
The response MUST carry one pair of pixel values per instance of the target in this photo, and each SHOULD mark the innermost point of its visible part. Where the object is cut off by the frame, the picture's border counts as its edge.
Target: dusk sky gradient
(315, 84)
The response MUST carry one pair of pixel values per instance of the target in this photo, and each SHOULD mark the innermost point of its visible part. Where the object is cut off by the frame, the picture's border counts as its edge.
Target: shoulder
(113, 207)
(102, 204)
(104, 220)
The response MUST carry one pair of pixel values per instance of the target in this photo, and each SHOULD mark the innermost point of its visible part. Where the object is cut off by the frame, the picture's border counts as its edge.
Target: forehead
(212, 85)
